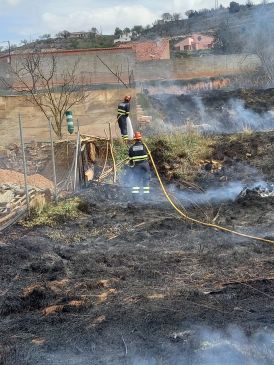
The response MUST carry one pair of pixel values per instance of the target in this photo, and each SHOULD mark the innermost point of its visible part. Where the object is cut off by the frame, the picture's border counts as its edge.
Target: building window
(199, 38)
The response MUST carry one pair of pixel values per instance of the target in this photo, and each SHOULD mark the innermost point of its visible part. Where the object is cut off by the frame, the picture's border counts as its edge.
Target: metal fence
(32, 172)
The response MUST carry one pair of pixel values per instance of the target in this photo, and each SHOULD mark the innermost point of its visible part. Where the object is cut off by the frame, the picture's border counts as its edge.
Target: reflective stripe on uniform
(146, 189)
(139, 158)
(125, 137)
(135, 189)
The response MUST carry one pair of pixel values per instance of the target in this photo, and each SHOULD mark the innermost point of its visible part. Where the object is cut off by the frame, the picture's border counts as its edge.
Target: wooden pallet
(18, 209)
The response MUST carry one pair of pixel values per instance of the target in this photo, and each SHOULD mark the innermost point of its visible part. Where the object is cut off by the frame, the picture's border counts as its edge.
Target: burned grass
(139, 289)
(123, 282)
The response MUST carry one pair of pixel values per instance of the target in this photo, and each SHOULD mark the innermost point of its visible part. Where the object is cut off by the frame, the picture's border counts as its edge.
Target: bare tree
(49, 85)
(176, 16)
(259, 42)
(118, 73)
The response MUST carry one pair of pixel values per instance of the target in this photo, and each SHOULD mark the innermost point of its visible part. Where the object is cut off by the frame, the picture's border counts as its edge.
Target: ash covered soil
(134, 284)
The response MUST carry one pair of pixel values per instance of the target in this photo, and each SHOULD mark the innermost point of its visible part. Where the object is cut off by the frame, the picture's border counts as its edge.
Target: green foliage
(54, 214)
(74, 44)
(234, 7)
(181, 54)
(126, 30)
(229, 40)
(191, 13)
(118, 32)
(120, 150)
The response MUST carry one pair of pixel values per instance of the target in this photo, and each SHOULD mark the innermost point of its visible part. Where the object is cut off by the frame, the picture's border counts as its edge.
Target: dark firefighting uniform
(123, 113)
(138, 158)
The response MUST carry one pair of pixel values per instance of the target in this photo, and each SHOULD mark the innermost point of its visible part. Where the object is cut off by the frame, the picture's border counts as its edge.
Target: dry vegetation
(52, 214)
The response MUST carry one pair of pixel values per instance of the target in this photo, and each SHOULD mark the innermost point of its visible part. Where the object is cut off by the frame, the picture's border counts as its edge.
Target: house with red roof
(195, 42)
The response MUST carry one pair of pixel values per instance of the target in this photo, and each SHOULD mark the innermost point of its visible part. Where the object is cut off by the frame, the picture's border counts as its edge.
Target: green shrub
(120, 150)
(54, 214)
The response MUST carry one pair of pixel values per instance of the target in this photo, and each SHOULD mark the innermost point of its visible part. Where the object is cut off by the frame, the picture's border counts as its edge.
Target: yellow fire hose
(186, 217)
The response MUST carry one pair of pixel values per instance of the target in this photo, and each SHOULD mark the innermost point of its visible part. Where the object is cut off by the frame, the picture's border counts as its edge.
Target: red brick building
(150, 50)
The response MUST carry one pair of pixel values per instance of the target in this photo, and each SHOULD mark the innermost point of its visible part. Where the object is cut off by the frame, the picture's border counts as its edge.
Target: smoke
(224, 117)
(259, 41)
(227, 192)
(212, 195)
(206, 346)
(192, 346)
(234, 348)
(242, 118)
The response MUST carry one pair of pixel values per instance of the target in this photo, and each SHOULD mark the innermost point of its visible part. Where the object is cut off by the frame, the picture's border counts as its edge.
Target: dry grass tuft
(178, 155)
(54, 214)
(52, 309)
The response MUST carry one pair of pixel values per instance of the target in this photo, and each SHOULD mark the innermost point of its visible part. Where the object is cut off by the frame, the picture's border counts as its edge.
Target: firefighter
(123, 113)
(138, 159)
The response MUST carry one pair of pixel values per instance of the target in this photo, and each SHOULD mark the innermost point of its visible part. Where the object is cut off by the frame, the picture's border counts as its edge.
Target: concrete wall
(194, 67)
(94, 115)
(92, 71)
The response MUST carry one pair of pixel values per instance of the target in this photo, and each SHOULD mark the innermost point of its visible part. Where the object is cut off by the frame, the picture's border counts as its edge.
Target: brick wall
(120, 60)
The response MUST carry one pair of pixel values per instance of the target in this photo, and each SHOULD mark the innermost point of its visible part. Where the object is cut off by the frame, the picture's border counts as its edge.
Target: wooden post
(112, 154)
(76, 161)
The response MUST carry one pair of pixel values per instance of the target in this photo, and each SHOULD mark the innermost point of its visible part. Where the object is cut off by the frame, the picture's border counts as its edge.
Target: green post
(70, 124)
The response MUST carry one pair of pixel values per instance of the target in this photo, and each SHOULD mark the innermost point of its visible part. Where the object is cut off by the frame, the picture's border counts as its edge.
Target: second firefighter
(138, 159)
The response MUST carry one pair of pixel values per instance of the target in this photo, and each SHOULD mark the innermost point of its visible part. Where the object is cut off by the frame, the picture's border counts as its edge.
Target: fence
(30, 171)
(35, 172)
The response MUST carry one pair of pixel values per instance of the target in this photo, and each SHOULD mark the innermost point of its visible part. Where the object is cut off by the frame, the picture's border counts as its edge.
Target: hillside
(205, 21)
(209, 21)
(100, 41)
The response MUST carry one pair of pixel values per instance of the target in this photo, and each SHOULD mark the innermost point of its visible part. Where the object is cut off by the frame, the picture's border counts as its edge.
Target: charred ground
(122, 281)
(211, 105)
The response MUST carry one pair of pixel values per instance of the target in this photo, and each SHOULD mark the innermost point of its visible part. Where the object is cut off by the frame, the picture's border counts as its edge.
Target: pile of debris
(14, 178)
(13, 196)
